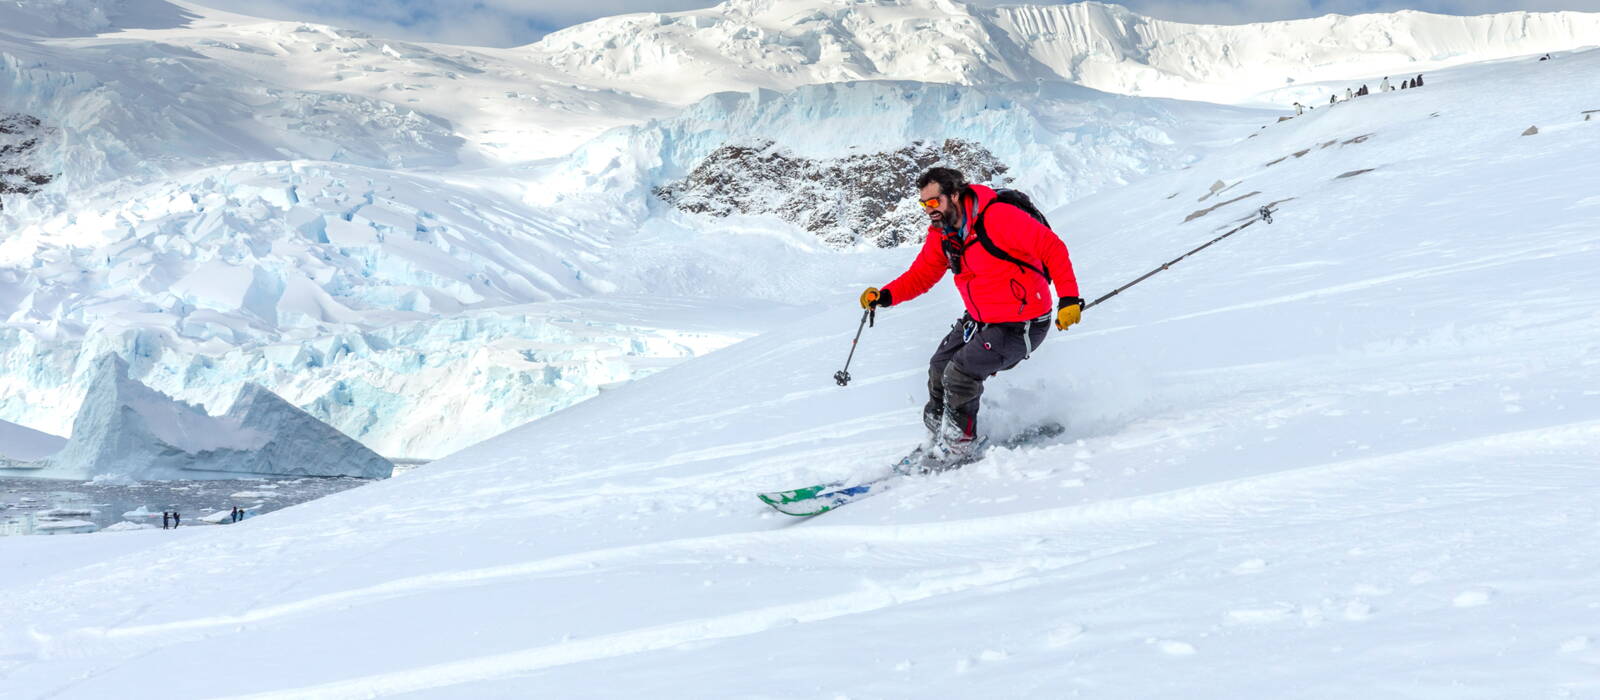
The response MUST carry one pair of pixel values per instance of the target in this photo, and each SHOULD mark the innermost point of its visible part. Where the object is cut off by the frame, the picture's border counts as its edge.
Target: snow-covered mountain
(786, 43)
(231, 88)
(1351, 453)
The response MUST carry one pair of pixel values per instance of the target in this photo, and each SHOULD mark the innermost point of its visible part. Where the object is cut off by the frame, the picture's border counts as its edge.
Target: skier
(1004, 261)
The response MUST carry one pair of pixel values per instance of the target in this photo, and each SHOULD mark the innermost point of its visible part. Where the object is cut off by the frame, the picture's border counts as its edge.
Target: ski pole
(1262, 214)
(869, 316)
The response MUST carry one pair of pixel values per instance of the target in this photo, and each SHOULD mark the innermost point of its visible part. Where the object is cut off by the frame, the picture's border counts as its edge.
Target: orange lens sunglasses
(930, 203)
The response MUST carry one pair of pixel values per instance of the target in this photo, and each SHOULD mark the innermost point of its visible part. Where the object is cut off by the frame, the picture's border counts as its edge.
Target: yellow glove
(1071, 312)
(874, 297)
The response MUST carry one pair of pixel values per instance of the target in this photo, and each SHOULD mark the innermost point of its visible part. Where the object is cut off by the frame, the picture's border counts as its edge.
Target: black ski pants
(970, 353)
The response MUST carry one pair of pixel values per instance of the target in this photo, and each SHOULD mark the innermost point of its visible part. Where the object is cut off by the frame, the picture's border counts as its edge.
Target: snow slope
(1350, 453)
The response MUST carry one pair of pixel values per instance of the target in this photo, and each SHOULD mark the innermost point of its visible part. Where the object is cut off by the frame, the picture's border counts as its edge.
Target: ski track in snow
(668, 636)
(1273, 502)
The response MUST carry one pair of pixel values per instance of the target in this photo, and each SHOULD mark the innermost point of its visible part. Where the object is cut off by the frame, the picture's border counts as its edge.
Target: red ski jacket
(994, 290)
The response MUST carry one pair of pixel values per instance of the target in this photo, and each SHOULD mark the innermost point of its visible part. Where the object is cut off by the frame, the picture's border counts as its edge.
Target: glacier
(396, 292)
(126, 431)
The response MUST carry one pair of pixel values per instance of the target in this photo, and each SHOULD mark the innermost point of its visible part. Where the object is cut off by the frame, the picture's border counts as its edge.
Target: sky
(517, 22)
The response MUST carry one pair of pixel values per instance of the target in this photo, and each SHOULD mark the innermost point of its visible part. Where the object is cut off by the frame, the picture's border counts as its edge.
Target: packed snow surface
(1352, 453)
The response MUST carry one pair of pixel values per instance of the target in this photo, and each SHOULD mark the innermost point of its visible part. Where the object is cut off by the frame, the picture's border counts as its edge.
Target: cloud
(517, 22)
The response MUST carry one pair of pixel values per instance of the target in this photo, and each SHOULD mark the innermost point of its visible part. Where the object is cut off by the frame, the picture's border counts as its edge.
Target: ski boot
(957, 443)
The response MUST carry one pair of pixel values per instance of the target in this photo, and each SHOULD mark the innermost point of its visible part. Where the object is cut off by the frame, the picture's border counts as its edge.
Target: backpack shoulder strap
(989, 245)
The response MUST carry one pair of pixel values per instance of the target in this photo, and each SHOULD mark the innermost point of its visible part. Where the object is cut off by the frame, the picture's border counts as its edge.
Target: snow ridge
(777, 43)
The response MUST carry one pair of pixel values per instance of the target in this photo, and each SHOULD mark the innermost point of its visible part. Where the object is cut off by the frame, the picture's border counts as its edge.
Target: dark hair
(950, 180)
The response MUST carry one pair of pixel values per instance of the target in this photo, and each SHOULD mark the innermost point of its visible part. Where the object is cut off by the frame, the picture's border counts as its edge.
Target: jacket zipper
(974, 303)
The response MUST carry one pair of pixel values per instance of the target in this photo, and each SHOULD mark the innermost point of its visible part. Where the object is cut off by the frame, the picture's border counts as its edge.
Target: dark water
(26, 504)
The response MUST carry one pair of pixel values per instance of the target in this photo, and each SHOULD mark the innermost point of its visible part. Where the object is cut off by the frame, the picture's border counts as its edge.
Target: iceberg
(139, 514)
(64, 527)
(127, 527)
(64, 512)
(128, 431)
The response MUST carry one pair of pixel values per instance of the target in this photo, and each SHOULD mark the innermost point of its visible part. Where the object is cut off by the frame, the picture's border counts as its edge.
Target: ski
(815, 500)
(821, 498)
(824, 497)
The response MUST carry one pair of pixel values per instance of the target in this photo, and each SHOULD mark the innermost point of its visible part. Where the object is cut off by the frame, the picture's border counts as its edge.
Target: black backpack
(1020, 201)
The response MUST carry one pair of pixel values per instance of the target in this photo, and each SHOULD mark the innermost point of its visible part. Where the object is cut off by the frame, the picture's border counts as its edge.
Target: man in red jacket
(1005, 284)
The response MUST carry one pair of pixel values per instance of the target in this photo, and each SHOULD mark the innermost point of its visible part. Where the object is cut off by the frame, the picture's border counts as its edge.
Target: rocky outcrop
(861, 198)
(19, 140)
